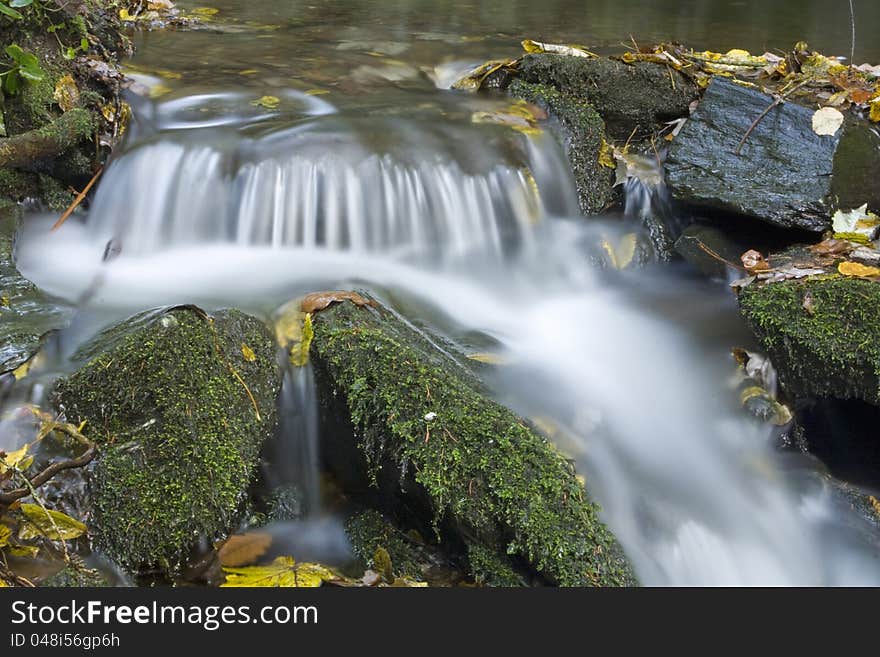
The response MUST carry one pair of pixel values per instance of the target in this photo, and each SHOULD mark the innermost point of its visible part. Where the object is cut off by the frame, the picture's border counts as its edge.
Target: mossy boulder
(27, 314)
(635, 100)
(415, 428)
(582, 132)
(180, 404)
(828, 347)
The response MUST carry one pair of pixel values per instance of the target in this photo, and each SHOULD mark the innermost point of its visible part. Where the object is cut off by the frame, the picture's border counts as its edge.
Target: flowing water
(369, 175)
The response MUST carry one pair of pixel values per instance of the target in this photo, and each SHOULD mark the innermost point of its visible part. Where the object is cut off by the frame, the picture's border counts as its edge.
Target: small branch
(776, 103)
(79, 199)
(44, 476)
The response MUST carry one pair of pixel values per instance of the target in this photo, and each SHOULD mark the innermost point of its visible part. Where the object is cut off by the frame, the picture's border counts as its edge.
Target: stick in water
(79, 199)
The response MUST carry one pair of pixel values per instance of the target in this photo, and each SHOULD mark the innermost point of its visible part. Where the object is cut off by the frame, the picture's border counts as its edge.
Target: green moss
(489, 569)
(582, 133)
(370, 530)
(484, 471)
(178, 430)
(833, 351)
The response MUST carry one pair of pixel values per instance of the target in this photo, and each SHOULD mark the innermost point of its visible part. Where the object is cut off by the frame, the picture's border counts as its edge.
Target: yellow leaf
(66, 93)
(382, 564)
(299, 353)
(317, 92)
(3, 584)
(621, 254)
(487, 358)
(282, 572)
(22, 370)
(858, 270)
(267, 102)
(205, 11)
(606, 155)
(248, 71)
(4, 302)
(24, 551)
(248, 353)
(125, 16)
(14, 459)
(875, 504)
(5, 535)
(874, 114)
(54, 525)
(244, 549)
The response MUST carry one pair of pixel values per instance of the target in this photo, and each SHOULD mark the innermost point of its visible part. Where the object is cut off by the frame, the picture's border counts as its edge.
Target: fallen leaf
(858, 270)
(5, 535)
(66, 93)
(267, 102)
(808, 305)
(487, 358)
(473, 79)
(382, 563)
(754, 262)
(282, 572)
(317, 301)
(785, 273)
(23, 551)
(572, 51)
(244, 549)
(859, 222)
(621, 254)
(827, 121)
(48, 523)
(248, 353)
(832, 247)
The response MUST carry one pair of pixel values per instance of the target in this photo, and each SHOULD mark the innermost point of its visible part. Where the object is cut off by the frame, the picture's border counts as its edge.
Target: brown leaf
(244, 549)
(832, 247)
(753, 261)
(320, 300)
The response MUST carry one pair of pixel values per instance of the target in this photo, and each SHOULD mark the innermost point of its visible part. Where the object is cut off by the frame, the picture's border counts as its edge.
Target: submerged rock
(415, 430)
(821, 333)
(710, 250)
(638, 98)
(27, 315)
(180, 404)
(783, 173)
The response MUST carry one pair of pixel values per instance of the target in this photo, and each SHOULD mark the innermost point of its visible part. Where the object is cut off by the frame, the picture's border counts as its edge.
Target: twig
(852, 21)
(776, 103)
(79, 199)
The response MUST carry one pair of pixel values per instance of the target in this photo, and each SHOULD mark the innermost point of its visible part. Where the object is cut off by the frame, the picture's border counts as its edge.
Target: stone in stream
(27, 314)
(710, 250)
(784, 174)
(822, 335)
(411, 428)
(180, 404)
(590, 97)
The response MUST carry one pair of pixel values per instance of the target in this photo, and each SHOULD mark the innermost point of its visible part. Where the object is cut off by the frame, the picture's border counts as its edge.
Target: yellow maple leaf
(282, 572)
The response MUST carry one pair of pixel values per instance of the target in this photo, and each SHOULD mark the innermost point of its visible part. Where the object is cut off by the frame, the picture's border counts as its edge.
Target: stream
(370, 174)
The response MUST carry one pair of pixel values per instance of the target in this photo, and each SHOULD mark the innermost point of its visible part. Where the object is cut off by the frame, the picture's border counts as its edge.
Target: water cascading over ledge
(340, 185)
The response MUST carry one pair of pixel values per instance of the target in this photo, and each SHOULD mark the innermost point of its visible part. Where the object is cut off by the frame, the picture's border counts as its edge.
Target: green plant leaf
(70, 53)
(21, 3)
(84, 44)
(38, 524)
(11, 83)
(9, 11)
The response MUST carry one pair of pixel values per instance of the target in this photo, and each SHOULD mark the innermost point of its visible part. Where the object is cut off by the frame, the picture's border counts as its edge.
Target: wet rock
(27, 315)
(641, 97)
(821, 333)
(709, 249)
(180, 414)
(784, 174)
(415, 431)
(581, 131)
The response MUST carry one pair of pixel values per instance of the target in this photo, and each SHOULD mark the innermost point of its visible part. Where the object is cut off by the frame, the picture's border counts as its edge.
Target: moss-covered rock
(427, 440)
(827, 348)
(582, 132)
(636, 98)
(180, 414)
(26, 313)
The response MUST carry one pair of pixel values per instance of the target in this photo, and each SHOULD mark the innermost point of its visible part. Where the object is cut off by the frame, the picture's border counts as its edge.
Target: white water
(690, 486)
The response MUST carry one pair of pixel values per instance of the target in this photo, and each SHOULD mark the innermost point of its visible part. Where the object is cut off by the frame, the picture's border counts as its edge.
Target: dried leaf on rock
(827, 121)
(832, 247)
(248, 353)
(858, 270)
(856, 222)
(474, 79)
(754, 262)
(785, 273)
(66, 93)
(282, 572)
(558, 49)
(316, 301)
(244, 549)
